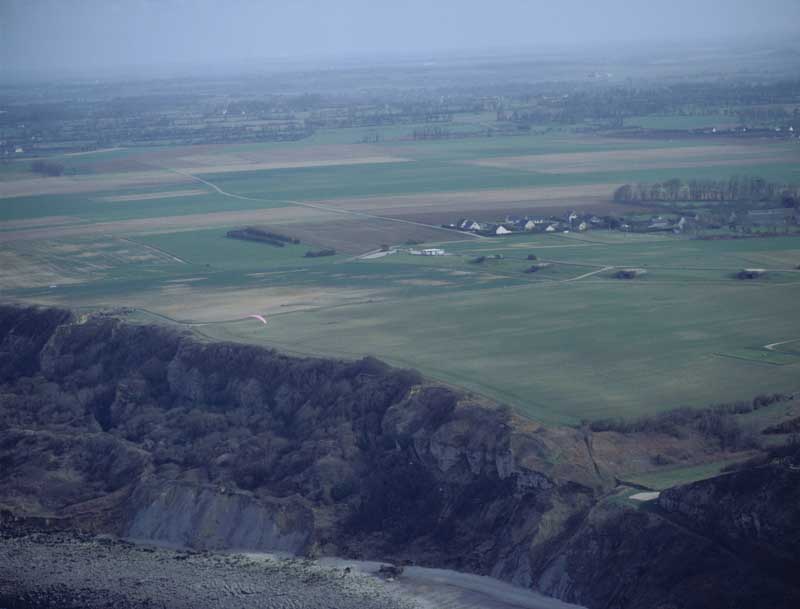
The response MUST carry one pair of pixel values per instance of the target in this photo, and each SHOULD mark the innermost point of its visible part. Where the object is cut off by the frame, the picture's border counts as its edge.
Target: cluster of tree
(354, 117)
(736, 188)
(749, 274)
(437, 133)
(47, 168)
(371, 138)
(770, 115)
(320, 253)
(431, 133)
(252, 233)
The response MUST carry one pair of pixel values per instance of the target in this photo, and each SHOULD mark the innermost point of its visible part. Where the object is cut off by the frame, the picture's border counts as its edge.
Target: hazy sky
(101, 33)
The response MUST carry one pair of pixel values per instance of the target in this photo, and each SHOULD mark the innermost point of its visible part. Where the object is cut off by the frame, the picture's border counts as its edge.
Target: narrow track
(325, 208)
(771, 346)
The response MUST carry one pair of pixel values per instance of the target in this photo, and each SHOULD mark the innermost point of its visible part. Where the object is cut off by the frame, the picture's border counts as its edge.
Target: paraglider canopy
(259, 318)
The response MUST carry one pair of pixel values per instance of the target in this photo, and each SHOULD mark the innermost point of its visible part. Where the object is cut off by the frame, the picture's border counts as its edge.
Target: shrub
(320, 253)
(343, 489)
(251, 233)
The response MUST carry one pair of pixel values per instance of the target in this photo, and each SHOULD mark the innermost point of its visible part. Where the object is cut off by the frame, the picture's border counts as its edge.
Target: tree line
(47, 168)
(734, 189)
(715, 422)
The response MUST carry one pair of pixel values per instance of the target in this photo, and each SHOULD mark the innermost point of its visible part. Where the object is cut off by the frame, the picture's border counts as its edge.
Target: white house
(469, 225)
(502, 230)
(550, 229)
(433, 251)
(530, 225)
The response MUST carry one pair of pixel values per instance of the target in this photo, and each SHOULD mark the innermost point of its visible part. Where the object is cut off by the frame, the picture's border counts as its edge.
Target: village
(571, 221)
(702, 222)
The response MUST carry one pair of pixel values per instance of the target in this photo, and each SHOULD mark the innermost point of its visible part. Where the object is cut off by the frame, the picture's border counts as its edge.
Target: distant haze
(90, 34)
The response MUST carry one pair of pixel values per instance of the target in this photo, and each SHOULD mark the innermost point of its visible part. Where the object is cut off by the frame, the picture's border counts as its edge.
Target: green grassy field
(668, 477)
(565, 343)
(558, 350)
(562, 352)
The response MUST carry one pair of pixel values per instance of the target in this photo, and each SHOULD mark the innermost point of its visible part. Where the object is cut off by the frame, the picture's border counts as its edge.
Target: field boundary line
(151, 247)
(605, 268)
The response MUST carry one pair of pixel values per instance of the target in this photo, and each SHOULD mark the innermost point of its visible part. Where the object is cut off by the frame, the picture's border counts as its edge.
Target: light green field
(308, 184)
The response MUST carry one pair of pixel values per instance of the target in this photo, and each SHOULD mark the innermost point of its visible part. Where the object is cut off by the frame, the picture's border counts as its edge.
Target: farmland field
(145, 228)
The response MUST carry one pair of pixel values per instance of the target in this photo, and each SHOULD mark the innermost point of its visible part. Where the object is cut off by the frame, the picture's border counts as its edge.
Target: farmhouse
(629, 273)
(659, 225)
(535, 268)
(432, 251)
(750, 273)
(502, 230)
(469, 225)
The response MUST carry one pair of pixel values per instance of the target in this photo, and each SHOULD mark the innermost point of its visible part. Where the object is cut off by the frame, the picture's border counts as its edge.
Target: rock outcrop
(188, 515)
(729, 541)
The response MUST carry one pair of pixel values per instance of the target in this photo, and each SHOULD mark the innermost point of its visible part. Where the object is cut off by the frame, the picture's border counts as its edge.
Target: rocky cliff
(145, 432)
(729, 541)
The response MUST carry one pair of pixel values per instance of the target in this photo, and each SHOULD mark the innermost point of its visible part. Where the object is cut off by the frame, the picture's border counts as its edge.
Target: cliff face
(757, 508)
(145, 432)
(729, 541)
(142, 431)
(189, 515)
